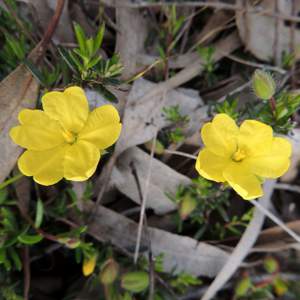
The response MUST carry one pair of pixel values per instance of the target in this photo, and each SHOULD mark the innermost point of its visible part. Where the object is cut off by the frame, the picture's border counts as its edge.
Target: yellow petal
(240, 178)
(255, 137)
(276, 163)
(211, 166)
(70, 108)
(103, 127)
(46, 167)
(37, 131)
(220, 135)
(81, 160)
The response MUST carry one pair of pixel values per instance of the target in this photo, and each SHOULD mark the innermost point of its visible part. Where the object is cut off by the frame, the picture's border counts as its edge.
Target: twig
(256, 65)
(287, 187)
(179, 153)
(150, 255)
(276, 31)
(50, 29)
(292, 44)
(144, 200)
(277, 221)
(26, 267)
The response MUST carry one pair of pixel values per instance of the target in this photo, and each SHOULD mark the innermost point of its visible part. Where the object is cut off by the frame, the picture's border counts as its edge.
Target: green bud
(187, 206)
(271, 265)
(243, 287)
(263, 85)
(109, 272)
(280, 286)
(71, 243)
(135, 282)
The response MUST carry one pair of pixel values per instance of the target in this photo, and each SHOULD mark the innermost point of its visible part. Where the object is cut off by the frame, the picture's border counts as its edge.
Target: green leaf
(90, 47)
(35, 72)
(16, 258)
(80, 37)
(2, 255)
(98, 39)
(39, 213)
(93, 61)
(106, 93)
(68, 59)
(29, 239)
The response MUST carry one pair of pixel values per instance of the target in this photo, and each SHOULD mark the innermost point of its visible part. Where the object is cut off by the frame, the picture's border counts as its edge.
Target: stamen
(239, 155)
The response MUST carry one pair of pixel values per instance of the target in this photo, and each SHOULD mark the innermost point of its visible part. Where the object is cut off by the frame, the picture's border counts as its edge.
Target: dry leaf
(258, 30)
(181, 253)
(17, 91)
(165, 180)
(143, 118)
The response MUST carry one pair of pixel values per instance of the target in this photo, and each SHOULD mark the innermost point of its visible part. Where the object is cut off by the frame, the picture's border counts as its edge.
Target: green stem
(10, 181)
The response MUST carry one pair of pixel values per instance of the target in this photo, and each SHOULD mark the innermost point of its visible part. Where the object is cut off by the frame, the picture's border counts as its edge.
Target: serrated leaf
(29, 239)
(39, 213)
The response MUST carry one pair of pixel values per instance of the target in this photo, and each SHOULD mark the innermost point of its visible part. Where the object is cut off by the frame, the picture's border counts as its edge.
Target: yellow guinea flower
(242, 156)
(65, 139)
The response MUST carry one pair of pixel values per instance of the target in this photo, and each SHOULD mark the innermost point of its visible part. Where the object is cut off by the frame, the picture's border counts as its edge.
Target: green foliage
(88, 66)
(210, 202)
(175, 132)
(229, 107)
(207, 54)
(15, 44)
(183, 281)
(286, 104)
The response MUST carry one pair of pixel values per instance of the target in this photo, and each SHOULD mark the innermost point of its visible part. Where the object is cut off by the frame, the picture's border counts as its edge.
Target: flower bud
(271, 265)
(243, 287)
(135, 282)
(71, 243)
(263, 85)
(109, 272)
(187, 206)
(89, 265)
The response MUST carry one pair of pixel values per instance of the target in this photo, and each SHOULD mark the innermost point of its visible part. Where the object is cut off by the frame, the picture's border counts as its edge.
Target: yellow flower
(242, 156)
(89, 265)
(65, 139)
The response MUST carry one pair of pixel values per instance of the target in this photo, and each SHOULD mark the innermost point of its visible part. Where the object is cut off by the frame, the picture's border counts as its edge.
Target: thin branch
(144, 200)
(179, 153)
(150, 254)
(277, 221)
(287, 187)
(256, 65)
(51, 28)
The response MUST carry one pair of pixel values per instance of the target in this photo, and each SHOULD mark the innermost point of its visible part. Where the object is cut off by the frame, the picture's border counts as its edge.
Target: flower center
(239, 155)
(69, 136)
